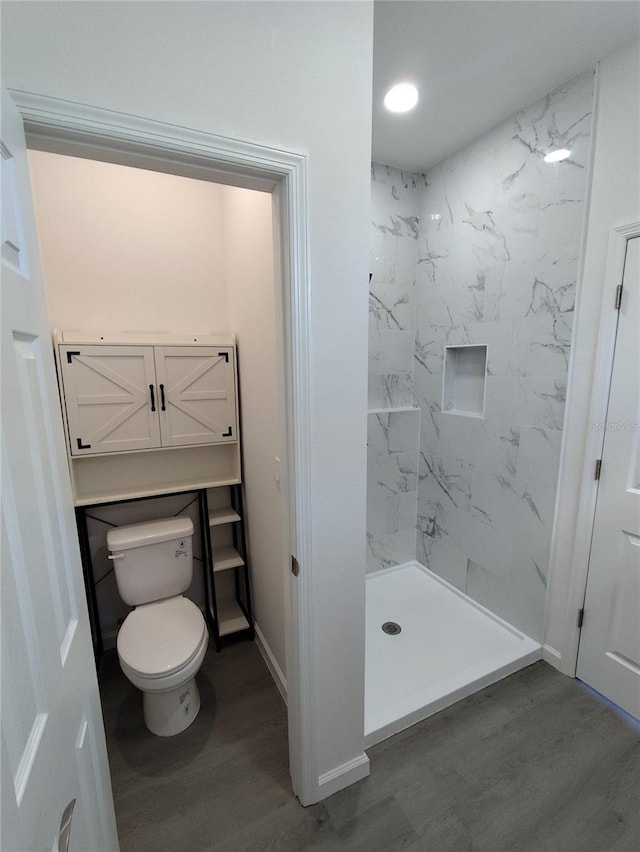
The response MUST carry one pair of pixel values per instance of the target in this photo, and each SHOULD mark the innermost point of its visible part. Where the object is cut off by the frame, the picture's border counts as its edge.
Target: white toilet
(162, 643)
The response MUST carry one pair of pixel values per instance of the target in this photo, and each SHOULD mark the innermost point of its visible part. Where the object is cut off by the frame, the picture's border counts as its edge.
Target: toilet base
(170, 712)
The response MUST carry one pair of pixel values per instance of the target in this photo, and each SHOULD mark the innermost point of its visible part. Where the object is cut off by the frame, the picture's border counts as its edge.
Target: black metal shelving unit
(214, 606)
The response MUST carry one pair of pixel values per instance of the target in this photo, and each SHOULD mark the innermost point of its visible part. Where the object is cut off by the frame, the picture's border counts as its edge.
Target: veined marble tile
(391, 351)
(526, 401)
(395, 191)
(388, 550)
(487, 544)
(391, 306)
(539, 456)
(445, 480)
(488, 445)
(430, 431)
(393, 432)
(542, 286)
(560, 120)
(393, 259)
(523, 507)
(378, 433)
(505, 597)
(390, 513)
(429, 350)
(395, 472)
(498, 338)
(540, 346)
(438, 543)
(404, 431)
(390, 391)
(428, 388)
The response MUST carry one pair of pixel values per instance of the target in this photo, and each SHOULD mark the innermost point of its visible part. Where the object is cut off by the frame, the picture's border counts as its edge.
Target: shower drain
(391, 628)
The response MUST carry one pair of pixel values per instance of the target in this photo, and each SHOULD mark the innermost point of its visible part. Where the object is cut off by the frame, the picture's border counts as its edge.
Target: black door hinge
(598, 468)
(580, 617)
(618, 296)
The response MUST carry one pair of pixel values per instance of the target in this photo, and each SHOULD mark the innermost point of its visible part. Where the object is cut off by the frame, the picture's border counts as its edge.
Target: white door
(110, 398)
(609, 653)
(53, 747)
(196, 386)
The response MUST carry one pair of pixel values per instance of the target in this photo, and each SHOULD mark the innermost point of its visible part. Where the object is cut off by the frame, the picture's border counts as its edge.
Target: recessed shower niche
(465, 369)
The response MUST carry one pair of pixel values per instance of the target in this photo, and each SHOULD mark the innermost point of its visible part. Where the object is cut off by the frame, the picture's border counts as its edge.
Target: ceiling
(476, 62)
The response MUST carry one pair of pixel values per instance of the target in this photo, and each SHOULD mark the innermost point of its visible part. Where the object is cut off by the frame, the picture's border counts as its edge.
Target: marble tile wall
(498, 252)
(395, 200)
(393, 436)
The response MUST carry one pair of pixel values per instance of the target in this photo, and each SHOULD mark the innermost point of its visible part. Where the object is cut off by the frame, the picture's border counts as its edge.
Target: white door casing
(53, 747)
(609, 651)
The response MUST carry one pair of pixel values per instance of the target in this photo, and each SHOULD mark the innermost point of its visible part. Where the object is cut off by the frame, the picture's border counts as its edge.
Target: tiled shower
(474, 267)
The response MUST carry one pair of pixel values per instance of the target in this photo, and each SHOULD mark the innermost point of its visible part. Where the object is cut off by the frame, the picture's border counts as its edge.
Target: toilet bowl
(162, 642)
(161, 647)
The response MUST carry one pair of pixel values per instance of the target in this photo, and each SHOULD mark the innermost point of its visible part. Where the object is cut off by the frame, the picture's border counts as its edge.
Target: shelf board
(225, 558)
(231, 619)
(227, 515)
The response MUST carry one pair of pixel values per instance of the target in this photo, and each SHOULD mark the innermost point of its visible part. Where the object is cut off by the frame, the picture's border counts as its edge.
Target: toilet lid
(161, 637)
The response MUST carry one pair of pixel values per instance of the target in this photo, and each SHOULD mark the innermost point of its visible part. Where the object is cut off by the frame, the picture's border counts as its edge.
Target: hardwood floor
(535, 763)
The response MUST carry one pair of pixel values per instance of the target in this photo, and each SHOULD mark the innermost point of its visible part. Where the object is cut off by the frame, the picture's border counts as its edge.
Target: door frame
(571, 546)
(64, 127)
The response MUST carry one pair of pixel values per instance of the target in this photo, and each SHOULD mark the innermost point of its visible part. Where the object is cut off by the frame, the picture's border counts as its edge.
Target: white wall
(276, 73)
(615, 200)
(254, 312)
(123, 247)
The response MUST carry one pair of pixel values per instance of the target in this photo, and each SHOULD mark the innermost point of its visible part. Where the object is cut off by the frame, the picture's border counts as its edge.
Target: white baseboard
(272, 664)
(551, 656)
(342, 776)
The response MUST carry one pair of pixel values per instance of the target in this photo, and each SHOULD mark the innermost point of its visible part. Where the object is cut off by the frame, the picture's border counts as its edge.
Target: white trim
(67, 127)
(340, 777)
(597, 390)
(552, 656)
(271, 663)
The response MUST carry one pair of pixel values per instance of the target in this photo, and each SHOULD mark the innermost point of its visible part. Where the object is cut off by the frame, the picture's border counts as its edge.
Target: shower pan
(448, 647)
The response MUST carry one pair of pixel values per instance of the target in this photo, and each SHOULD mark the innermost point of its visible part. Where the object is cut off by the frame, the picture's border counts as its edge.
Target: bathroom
(338, 470)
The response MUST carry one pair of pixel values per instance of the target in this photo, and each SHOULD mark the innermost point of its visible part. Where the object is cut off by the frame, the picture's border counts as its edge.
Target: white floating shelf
(231, 619)
(400, 409)
(225, 558)
(227, 515)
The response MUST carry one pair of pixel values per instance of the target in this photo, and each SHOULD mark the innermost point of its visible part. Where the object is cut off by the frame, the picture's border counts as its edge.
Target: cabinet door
(196, 386)
(109, 394)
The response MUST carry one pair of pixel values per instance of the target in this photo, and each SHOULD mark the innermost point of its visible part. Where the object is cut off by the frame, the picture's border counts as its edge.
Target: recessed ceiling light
(556, 156)
(401, 98)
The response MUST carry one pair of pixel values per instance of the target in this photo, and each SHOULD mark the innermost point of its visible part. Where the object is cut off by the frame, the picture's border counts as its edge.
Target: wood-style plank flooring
(532, 764)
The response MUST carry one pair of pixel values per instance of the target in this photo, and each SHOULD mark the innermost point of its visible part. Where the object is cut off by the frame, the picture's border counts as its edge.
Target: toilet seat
(160, 639)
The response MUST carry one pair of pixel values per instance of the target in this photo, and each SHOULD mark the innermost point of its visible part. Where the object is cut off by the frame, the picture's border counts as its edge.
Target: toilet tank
(152, 561)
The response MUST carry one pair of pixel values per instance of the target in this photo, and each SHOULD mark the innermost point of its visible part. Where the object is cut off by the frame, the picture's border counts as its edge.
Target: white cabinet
(122, 398)
(148, 414)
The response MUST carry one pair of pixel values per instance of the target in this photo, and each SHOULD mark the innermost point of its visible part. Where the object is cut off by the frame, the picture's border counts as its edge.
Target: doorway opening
(279, 178)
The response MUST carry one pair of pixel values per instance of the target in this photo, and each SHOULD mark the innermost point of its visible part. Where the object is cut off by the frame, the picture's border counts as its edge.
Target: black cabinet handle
(163, 407)
(153, 399)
